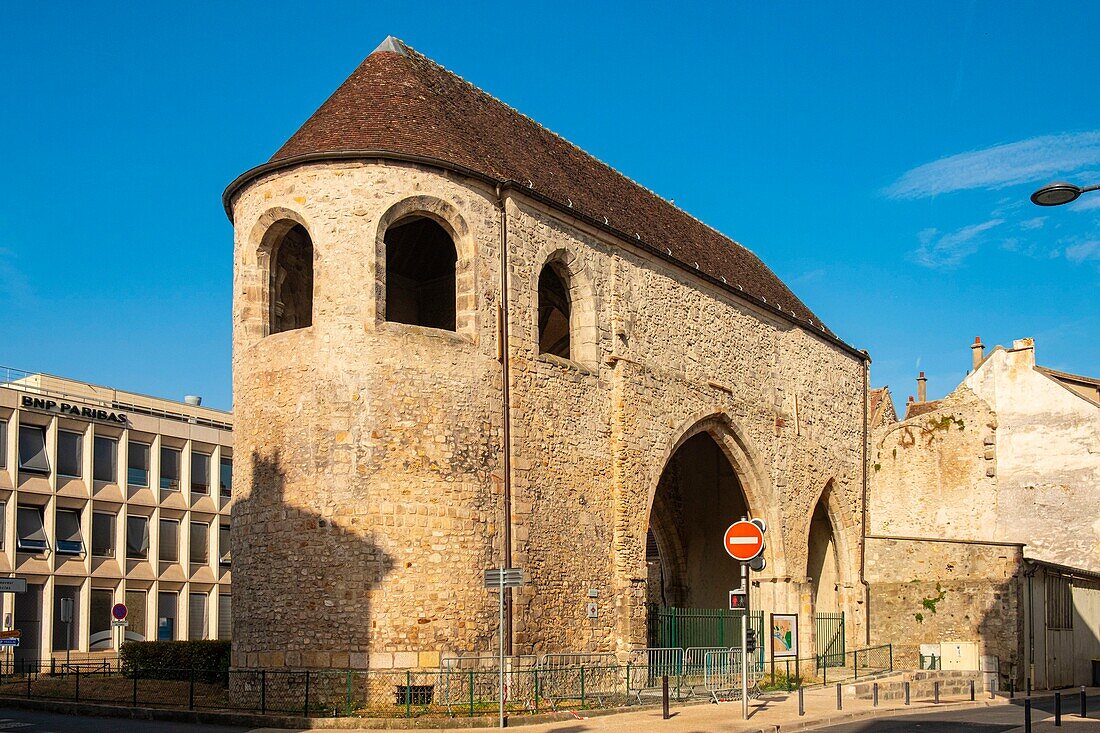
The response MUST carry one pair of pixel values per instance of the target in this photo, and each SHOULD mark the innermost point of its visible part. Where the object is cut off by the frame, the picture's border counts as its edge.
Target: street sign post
(744, 542)
(498, 579)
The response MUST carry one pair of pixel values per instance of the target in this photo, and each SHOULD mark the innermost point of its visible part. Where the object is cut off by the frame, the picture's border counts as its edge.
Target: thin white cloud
(1036, 223)
(940, 250)
(1035, 160)
(1084, 252)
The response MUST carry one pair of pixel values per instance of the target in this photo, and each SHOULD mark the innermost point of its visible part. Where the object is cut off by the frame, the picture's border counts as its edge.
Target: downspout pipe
(863, 512)
(506, 422)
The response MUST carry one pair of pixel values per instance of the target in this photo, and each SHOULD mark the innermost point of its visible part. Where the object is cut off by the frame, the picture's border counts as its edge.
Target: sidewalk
(778, 713)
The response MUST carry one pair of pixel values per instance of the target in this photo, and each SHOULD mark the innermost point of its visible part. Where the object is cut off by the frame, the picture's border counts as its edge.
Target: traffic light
(750, 640)
(739, 600)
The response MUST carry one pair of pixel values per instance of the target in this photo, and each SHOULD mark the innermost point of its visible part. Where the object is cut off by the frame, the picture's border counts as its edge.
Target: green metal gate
(829, 628)
(682, 628)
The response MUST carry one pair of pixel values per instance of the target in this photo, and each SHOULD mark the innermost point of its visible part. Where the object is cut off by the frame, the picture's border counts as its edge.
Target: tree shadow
(301, 580)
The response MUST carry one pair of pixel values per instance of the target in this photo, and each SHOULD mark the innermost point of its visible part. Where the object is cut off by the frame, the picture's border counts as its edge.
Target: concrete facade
(370, 473)
(111, 497)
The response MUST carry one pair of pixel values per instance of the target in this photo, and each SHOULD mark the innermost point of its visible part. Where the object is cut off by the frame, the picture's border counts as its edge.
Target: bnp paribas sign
(68, 408)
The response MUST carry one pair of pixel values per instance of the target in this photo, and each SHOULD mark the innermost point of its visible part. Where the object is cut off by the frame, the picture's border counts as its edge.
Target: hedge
(176, 659)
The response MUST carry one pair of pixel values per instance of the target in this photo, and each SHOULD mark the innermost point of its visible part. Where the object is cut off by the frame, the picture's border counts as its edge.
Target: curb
(840, 718)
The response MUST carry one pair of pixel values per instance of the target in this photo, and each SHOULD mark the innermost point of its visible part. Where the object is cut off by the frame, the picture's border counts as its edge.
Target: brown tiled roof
(402, 103)
(913, 409)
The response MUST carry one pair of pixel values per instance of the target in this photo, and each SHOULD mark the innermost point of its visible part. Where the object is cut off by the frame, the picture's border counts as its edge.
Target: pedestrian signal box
(739, 601)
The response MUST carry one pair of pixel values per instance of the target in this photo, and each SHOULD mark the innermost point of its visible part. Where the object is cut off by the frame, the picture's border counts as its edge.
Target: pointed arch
(562, 280)
(829, 555)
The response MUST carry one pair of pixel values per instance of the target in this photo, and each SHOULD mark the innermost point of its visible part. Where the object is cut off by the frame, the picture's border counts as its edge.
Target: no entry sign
(744, 540)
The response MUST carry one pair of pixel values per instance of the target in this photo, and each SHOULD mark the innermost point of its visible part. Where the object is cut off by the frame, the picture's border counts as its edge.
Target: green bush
(166, 660)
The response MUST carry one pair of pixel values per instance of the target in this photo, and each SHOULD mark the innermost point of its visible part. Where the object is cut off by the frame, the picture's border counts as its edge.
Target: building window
(66, 608)
(3, 444)
(69, 540)
(554, 308)
(137, 464)
(137, 538)
(225, 616)
(135, 612)
(103, 534)
(105, 459)
(291, 284)
(225, 556)
(196, 617)
(169, 540)
(420, 274)
(3, 523)
(225, 477)
(166, 616)
(200, 473)
(30, 531)
(169, 468)
(200, 543)
(99, 619)
(70, 454)
(32, 449)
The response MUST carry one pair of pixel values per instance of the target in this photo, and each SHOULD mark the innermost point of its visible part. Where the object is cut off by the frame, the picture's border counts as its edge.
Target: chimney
(922, 388)
(977, 352)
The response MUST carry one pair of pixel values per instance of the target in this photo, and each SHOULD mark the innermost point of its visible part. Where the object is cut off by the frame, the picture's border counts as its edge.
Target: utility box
(959, 655)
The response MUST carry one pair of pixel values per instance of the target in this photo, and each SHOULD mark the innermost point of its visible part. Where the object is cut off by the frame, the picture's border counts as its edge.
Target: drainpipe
(863, 513)
(506, 403)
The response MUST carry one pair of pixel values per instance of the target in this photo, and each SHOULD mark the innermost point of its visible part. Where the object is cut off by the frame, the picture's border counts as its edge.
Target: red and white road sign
(744, 540)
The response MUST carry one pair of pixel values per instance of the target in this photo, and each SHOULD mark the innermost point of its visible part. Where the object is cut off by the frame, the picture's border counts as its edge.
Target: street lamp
(1056, 194)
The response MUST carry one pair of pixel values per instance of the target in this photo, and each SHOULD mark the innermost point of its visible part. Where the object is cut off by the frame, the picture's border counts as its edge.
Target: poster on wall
(784, 635)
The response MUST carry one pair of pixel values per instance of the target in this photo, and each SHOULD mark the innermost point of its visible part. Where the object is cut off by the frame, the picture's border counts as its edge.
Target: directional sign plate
(9, 642)
(13, 585)
(513, 578)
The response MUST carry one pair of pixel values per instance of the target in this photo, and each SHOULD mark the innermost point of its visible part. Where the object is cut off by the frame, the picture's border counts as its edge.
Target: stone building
(970, 494)
(460, 341)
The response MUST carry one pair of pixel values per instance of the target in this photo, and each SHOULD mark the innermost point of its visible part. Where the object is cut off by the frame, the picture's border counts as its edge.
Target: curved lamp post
(1056, 194)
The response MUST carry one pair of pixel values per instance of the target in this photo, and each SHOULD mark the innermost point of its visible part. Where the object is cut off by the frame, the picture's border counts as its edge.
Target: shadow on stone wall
(302, 581)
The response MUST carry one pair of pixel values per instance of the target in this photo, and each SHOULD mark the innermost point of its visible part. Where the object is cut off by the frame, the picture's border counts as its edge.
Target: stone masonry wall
(369, 452)
(962, 592)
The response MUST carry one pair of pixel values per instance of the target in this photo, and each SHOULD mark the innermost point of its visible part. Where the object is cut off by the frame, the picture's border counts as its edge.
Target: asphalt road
(30, 721)
(997, 719)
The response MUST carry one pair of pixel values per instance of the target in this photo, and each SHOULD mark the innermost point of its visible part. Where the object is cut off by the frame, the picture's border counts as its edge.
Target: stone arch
(287, 255)
(713, 453)
(829, 556)
(583, 328)
(448, 218)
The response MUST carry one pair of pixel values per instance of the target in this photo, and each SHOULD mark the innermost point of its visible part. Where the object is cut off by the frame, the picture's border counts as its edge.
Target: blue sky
(878, 157)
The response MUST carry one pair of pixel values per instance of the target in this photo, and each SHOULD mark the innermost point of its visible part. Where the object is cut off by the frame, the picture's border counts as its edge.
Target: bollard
(1083, 712)
(874, 695)
(839, 704)
(907, 692)
(1012, 689)
(1027, 715)
(802, 703)
(936, 692)
(1057, 710)
(971, 690)
(664, 697)
(1029, 685)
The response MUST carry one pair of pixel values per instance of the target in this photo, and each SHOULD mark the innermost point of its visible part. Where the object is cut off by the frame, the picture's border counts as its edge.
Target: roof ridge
(568, 142)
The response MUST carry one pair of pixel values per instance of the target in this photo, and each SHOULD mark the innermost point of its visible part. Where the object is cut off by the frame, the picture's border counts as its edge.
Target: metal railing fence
(463, 687)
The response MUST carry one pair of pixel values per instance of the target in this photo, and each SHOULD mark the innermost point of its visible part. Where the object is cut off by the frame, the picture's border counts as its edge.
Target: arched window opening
(823, 566)
(553, 313)
(291, 285)
(420, 274)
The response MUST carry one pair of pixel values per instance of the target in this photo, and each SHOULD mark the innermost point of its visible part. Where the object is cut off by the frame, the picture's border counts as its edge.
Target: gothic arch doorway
(823, 566)
(698, 496)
